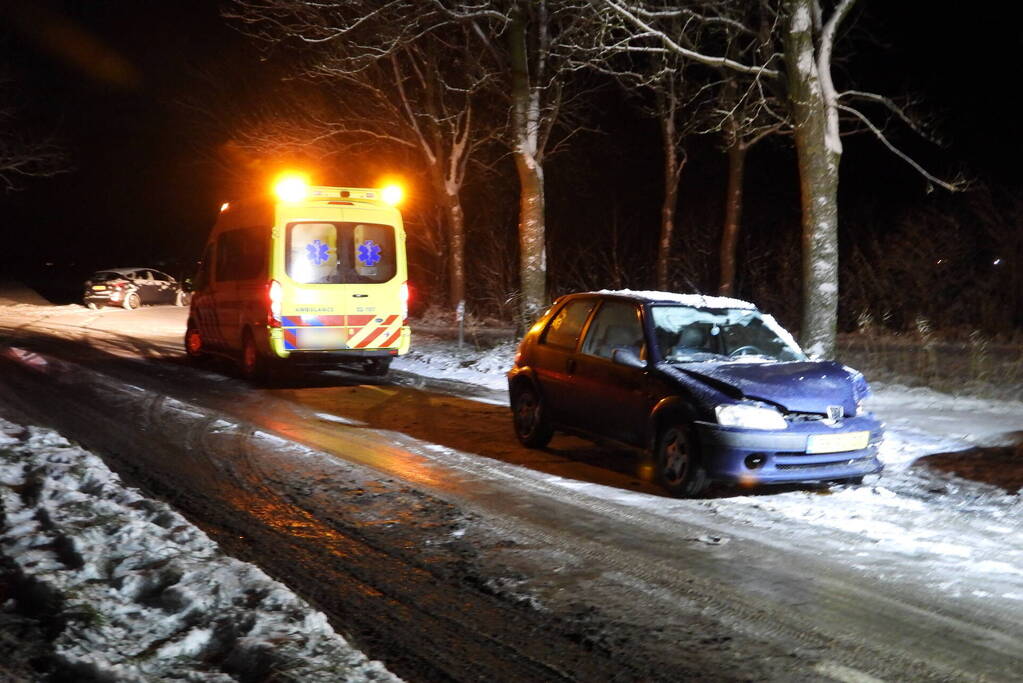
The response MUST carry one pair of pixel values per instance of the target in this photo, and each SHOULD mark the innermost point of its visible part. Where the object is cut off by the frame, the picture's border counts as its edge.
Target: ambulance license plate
(321, 338)
(837, 443)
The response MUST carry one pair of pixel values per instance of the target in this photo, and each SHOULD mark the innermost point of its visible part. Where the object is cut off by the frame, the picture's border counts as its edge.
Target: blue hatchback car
(715, 389)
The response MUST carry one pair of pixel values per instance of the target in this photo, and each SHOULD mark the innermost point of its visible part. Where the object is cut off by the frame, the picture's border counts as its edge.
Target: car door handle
(570, 366)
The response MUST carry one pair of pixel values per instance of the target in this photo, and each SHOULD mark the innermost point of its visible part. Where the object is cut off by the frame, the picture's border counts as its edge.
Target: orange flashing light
(291, 187)
(392, 194)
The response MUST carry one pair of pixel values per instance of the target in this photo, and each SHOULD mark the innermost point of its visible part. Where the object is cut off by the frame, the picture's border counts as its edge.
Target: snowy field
(146, 595)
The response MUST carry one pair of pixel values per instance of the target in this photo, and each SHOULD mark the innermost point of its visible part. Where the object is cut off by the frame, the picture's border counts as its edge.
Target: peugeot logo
(835, 413)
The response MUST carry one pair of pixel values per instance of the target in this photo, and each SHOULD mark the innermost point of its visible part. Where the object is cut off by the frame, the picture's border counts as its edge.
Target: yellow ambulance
(311, 276)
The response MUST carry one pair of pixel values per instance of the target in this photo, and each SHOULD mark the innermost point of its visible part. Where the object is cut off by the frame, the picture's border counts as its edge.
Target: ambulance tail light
(405, 295)
(275, 294)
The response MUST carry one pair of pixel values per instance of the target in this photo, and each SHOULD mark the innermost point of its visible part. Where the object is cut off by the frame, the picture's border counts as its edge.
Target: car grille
(861, 463)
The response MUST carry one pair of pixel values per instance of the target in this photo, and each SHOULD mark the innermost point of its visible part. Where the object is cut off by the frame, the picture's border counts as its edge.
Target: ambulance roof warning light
(291, 188)
(392, 194)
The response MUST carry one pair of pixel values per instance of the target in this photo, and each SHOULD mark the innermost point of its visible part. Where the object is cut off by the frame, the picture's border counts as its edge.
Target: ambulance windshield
(340, 253)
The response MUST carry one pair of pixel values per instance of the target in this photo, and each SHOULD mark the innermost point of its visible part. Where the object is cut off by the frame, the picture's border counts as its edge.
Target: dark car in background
(715, 389)
(133, 287)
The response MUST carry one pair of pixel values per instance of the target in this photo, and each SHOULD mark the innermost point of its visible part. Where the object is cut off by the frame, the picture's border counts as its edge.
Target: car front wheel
(530, 419)
(678, 464)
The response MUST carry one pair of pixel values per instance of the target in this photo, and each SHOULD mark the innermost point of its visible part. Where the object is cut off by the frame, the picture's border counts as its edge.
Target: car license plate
(321, 338)
(836, 443)
(99, 288)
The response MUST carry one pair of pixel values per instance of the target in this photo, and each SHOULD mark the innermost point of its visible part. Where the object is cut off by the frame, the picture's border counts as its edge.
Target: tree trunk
(818, 155)
(456, 221)
(733, 215)
(672, 173)
(525, 123)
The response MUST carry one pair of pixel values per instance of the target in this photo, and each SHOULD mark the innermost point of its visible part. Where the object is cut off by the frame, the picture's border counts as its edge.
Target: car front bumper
(752, 457)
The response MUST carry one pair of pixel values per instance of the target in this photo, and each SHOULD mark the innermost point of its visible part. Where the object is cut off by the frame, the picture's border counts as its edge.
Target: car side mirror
(628, 358)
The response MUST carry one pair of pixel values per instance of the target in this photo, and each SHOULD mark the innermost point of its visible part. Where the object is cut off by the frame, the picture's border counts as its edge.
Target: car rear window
(105, 275)
(340, 253)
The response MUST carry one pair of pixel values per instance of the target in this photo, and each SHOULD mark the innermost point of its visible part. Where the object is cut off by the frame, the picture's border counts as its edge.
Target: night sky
(117, 83)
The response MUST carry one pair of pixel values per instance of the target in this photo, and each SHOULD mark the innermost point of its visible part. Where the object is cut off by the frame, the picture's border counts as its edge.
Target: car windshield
(686, 334)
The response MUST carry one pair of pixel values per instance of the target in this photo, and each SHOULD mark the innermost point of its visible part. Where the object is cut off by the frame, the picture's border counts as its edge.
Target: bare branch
(954, 186)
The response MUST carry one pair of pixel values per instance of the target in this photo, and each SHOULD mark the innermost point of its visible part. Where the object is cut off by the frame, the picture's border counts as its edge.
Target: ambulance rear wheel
(132, 301)
(256, 367)
(377, 367)
(253, 365)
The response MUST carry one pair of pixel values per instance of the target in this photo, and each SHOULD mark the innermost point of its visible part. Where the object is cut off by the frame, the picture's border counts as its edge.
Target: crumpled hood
(802, 387)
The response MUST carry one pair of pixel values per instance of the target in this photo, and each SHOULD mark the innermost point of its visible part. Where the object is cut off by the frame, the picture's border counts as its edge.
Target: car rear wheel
(91, 306)
(529, 416)
(678, 464)
(193, 342)
(132, 301)
(181, 298)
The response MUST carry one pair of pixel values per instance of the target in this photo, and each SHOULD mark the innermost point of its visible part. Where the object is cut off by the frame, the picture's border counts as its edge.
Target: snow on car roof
(122, 271)
(699, 300)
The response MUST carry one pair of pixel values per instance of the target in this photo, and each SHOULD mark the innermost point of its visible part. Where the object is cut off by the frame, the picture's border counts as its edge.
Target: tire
(182, 298)
(91, 306)
(677, 465)
(132, 301)
(377, 367)
(194, 345)
(255, 367)
(530, 418)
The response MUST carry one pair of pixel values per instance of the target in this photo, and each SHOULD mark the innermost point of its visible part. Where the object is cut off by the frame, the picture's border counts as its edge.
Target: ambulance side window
(241, 255)
(202, 275)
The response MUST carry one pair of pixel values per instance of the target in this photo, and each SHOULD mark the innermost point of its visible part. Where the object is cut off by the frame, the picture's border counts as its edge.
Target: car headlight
(749, 416)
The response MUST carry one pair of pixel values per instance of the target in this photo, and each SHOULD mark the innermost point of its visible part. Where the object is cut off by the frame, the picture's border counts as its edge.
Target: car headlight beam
(749, 416)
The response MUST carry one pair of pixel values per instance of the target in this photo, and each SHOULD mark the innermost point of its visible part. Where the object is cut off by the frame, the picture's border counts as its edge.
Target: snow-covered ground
(144, 594)
(148, 595)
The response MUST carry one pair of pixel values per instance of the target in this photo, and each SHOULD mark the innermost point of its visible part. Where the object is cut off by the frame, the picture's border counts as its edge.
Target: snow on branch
(631, 15)
(953, 186)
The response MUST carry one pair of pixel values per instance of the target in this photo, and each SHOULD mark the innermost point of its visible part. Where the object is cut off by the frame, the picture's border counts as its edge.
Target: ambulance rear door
(347, 269)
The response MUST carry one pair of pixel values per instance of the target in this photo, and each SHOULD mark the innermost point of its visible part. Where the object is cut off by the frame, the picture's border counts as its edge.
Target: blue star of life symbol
(317, 252)
(369, 253)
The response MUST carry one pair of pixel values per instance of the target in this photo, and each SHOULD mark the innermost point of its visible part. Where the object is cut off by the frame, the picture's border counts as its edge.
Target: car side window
(616, 326)
(567, 324)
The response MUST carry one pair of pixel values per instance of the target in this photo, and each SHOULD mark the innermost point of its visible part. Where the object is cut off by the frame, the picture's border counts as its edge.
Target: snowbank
(137, 592)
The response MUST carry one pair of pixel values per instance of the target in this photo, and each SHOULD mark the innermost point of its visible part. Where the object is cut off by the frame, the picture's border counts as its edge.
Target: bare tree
(808, 34)
(401, 74)
(542, 40)
(23, 156)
